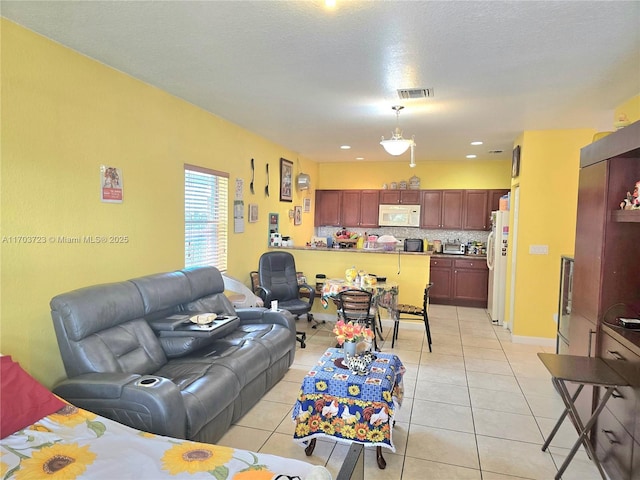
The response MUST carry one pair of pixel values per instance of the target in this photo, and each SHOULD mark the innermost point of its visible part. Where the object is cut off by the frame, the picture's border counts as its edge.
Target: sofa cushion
(204, 281)
(163, 291)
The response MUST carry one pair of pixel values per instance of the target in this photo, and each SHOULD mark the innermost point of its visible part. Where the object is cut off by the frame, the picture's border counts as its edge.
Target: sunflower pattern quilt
(335, 403)
(76, 444)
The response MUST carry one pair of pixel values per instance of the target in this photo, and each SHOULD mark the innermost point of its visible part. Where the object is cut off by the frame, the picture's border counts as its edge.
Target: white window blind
(206, 194)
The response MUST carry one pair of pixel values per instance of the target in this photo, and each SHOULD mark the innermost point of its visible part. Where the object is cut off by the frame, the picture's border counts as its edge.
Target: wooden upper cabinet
(350, 212)
(400, 197)
(494, 200)
(475, 214)
(327, 208)
(369, 204)
(452, 209)
(431, 209)
(359, 208)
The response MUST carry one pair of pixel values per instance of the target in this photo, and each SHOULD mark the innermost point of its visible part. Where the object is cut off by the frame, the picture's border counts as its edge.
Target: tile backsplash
(464, 236)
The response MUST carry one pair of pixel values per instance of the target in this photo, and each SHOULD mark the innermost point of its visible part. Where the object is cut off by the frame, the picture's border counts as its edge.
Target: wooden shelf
(625, 216)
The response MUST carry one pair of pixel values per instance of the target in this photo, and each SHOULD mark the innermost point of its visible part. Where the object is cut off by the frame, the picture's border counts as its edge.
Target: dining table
(383, 295)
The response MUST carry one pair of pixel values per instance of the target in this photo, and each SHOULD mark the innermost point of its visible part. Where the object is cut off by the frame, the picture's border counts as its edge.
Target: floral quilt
(74, 443)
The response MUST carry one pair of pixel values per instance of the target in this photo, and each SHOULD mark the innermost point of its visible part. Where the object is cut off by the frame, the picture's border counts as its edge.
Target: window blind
(206, 202)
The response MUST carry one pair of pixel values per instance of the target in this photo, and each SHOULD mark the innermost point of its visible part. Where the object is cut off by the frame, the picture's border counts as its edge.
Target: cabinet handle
(610, 436)
(615, 354)
(616, 393)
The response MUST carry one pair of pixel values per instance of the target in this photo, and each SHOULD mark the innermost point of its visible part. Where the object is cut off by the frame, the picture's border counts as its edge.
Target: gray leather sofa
(131, 358)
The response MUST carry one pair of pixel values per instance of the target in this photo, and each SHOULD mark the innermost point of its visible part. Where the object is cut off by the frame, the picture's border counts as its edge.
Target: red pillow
(23, 400)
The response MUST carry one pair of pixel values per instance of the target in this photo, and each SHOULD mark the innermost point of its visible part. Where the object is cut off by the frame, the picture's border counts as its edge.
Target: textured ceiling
(313, 79)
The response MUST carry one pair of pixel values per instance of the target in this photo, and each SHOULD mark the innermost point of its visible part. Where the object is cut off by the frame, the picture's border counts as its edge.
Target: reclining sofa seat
(182, 385)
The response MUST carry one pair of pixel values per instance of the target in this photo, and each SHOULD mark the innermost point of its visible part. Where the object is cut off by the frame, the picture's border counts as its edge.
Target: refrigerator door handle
(491, 240)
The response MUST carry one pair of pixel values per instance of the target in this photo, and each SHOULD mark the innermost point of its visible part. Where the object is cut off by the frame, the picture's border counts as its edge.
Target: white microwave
(399, 216)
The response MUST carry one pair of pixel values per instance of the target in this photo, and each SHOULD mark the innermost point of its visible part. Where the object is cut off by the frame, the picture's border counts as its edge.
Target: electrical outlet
(538, 249)
(555, 318)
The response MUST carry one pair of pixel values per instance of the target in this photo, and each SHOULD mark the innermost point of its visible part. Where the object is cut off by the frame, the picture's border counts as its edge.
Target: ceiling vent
(496, 151)
(412, 93)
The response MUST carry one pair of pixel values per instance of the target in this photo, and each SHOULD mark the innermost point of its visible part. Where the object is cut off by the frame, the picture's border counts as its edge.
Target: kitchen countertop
(384, 252)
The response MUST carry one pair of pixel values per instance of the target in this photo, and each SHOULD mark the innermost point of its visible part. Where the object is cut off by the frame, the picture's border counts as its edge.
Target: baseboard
(542, 341)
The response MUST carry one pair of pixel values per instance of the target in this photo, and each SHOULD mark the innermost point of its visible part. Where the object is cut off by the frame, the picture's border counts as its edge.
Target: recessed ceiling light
(478, 142)
(345, 147)
(472, 156)
(359, 158)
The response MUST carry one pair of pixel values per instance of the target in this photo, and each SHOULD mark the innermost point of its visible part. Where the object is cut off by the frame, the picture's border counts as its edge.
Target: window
(206, 194)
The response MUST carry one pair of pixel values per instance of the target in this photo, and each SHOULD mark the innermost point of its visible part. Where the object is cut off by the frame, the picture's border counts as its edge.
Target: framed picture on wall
(515, 162)
(253, 213)
(306, 205)
(286, 180)
(297, 215)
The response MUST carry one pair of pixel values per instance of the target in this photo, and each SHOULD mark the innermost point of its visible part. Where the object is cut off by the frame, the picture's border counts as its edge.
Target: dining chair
(356, 305)
(405, 309)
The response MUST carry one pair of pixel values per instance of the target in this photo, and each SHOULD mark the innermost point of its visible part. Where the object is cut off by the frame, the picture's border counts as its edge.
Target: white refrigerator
(497, 244)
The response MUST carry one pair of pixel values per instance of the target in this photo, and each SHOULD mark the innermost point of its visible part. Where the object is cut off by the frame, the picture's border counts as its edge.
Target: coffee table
(333, 403)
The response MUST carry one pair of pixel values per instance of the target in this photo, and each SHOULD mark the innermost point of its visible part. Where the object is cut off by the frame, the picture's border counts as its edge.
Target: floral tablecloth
(384, 294)
(351, 408)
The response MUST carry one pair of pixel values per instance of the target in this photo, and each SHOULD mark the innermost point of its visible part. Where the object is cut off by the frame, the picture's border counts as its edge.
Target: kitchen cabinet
(327, 208)
(476, 210)
(460, 281)
(440, 275)
(359, 208)
(607, 273)
(441, 209)
(478, 205)
(400, 197)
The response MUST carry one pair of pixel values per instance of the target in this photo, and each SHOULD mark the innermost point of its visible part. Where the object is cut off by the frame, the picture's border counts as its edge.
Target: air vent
(496, 151)
(411, 93)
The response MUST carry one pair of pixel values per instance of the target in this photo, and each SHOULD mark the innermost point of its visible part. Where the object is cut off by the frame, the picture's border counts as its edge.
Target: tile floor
(477, 407)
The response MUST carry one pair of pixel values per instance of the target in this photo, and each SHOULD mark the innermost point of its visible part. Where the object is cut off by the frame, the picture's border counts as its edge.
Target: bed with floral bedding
(61, 441)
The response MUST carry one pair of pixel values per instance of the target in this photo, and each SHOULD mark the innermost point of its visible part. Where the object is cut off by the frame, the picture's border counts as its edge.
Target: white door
(510, 320)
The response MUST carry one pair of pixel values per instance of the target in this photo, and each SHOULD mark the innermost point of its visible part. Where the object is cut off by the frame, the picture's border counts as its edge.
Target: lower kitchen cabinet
(459, 281)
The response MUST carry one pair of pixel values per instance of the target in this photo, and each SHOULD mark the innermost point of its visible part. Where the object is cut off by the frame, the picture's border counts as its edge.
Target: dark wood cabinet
(452, 209)
(476, 210)
(441, 275)
(359, 208)
(397, 197)
(459, 281)
(327, 208)
(441, 209)
(607, 274)
(470, 282)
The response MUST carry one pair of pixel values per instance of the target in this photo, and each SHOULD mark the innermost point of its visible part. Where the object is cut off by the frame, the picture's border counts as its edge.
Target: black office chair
(355, 305)
(405, 309)
(278, 280)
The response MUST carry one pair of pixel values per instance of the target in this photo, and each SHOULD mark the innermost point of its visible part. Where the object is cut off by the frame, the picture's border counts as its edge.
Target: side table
(582, 371)
(334, 403)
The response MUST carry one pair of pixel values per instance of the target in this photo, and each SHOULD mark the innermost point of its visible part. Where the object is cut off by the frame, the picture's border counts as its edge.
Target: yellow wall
(548, 183)
(433, 175)
(64, 115)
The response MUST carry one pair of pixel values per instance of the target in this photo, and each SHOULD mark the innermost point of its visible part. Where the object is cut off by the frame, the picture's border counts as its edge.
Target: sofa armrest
(264, 315)
(145, 402)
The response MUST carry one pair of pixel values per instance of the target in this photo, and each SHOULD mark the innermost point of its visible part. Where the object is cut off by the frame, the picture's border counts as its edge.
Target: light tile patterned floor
(478, 407)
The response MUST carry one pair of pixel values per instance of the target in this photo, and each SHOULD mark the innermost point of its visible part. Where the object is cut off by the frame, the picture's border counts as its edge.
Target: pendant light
(397, 144)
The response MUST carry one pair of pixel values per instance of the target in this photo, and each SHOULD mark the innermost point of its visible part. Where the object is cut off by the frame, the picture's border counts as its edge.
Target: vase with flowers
(354, 337)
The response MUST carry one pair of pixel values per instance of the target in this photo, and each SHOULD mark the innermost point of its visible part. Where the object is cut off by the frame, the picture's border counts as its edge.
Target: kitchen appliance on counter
(454, 248)
(399, 215)
(413, 245)
(497, 244)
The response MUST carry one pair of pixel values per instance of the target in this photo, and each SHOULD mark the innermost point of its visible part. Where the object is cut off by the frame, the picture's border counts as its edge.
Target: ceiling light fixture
(397, 144)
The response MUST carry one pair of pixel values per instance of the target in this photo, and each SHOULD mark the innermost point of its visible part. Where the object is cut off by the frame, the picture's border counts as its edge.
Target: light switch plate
(539, 249)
